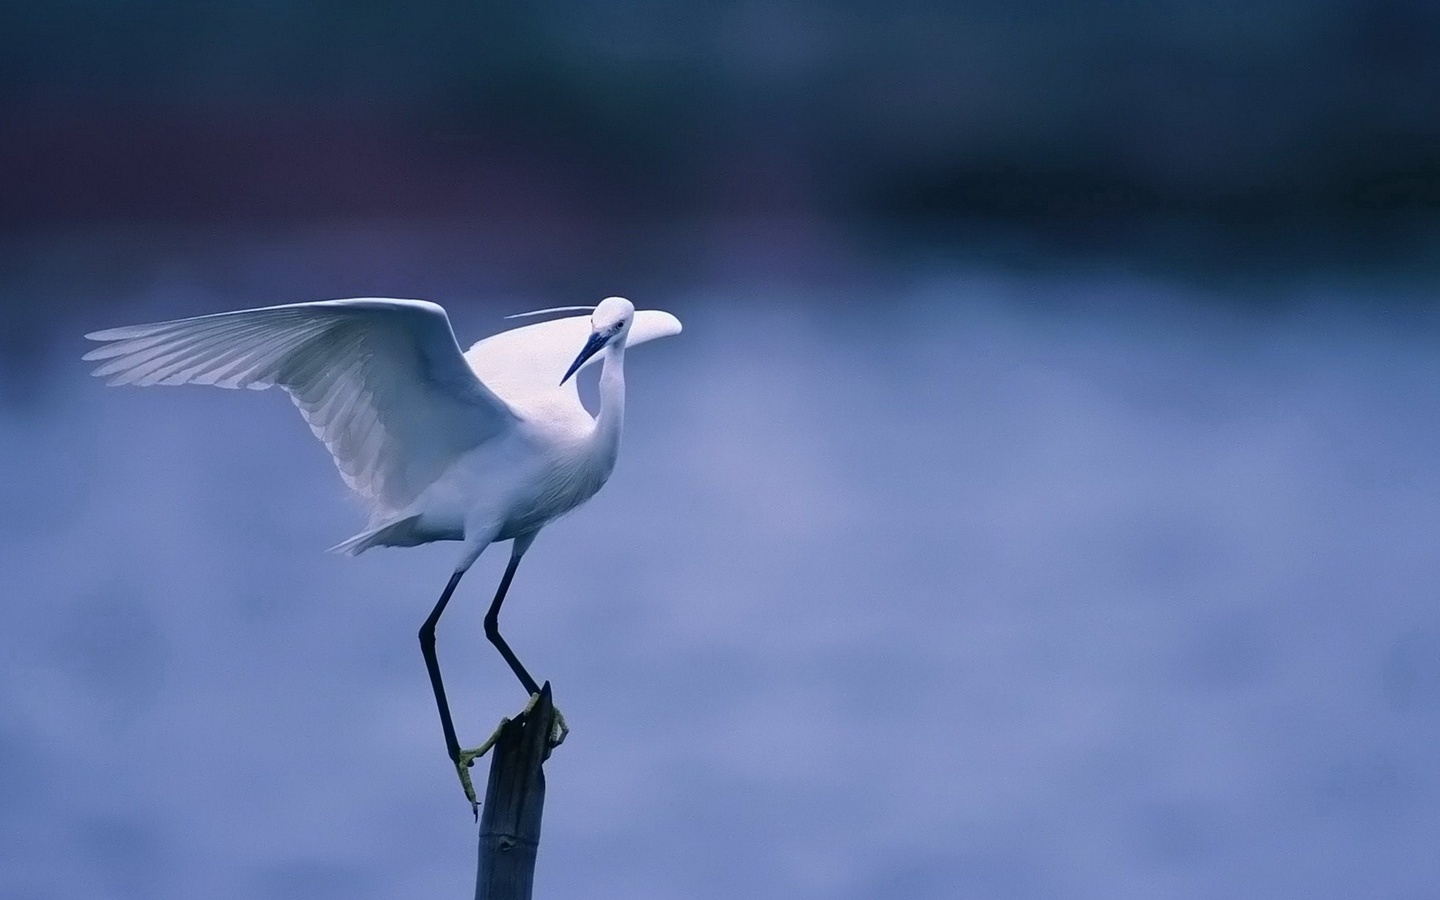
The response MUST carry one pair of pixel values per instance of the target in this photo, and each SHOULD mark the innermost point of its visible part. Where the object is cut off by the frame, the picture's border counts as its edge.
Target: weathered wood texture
(514, 800)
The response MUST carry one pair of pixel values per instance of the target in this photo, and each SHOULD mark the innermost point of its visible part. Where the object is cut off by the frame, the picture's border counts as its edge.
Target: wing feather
(381, 382)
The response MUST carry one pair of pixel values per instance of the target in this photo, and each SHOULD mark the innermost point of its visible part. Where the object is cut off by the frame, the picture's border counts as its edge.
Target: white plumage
(382, 383)
(478, 447)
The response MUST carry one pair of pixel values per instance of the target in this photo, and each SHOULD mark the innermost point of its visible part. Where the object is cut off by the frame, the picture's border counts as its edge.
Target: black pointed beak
(592, 347)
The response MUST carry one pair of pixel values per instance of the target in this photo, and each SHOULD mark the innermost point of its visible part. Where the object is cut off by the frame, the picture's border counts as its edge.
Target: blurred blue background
(1040, 503)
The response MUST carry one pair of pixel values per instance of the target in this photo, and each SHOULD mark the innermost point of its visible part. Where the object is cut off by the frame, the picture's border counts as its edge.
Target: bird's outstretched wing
(528, 362)
(381, 382)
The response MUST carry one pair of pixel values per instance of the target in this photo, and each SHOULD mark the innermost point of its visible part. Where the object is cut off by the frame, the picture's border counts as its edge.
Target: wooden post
(514, 800)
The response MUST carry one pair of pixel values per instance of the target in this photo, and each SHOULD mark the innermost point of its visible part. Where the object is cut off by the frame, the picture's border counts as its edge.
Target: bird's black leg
(463, 759)
(492, 621)
(432, 664)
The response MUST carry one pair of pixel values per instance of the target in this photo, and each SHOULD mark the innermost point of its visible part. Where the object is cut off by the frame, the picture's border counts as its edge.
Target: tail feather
(400, 533)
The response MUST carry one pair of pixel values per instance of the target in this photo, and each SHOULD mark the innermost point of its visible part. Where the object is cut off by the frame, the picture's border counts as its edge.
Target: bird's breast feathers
(562, 481)
(516, 485)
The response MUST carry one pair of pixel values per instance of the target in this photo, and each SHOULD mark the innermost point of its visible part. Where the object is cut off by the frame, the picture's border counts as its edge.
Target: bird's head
(608, 325)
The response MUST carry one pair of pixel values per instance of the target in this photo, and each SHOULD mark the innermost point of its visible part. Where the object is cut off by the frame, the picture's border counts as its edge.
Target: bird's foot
(558, 728)
(466, 759)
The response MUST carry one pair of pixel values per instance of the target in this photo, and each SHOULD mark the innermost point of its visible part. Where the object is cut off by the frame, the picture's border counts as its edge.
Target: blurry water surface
(992, 586)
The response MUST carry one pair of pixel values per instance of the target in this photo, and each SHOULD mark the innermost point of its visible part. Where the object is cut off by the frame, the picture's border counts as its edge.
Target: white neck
(612, 401)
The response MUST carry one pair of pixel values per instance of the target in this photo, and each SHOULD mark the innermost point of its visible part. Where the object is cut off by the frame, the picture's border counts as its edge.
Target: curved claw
(559, 730)
(466, 759)
(464, 769)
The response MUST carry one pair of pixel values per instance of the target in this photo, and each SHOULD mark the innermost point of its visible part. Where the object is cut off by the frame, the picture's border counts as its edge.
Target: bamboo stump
(514, 800)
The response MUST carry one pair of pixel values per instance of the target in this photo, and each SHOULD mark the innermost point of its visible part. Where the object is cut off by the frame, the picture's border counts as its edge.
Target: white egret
(477, 447)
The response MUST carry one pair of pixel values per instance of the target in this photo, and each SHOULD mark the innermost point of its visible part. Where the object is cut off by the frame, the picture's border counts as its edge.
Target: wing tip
(124, 332)
(668, 323)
